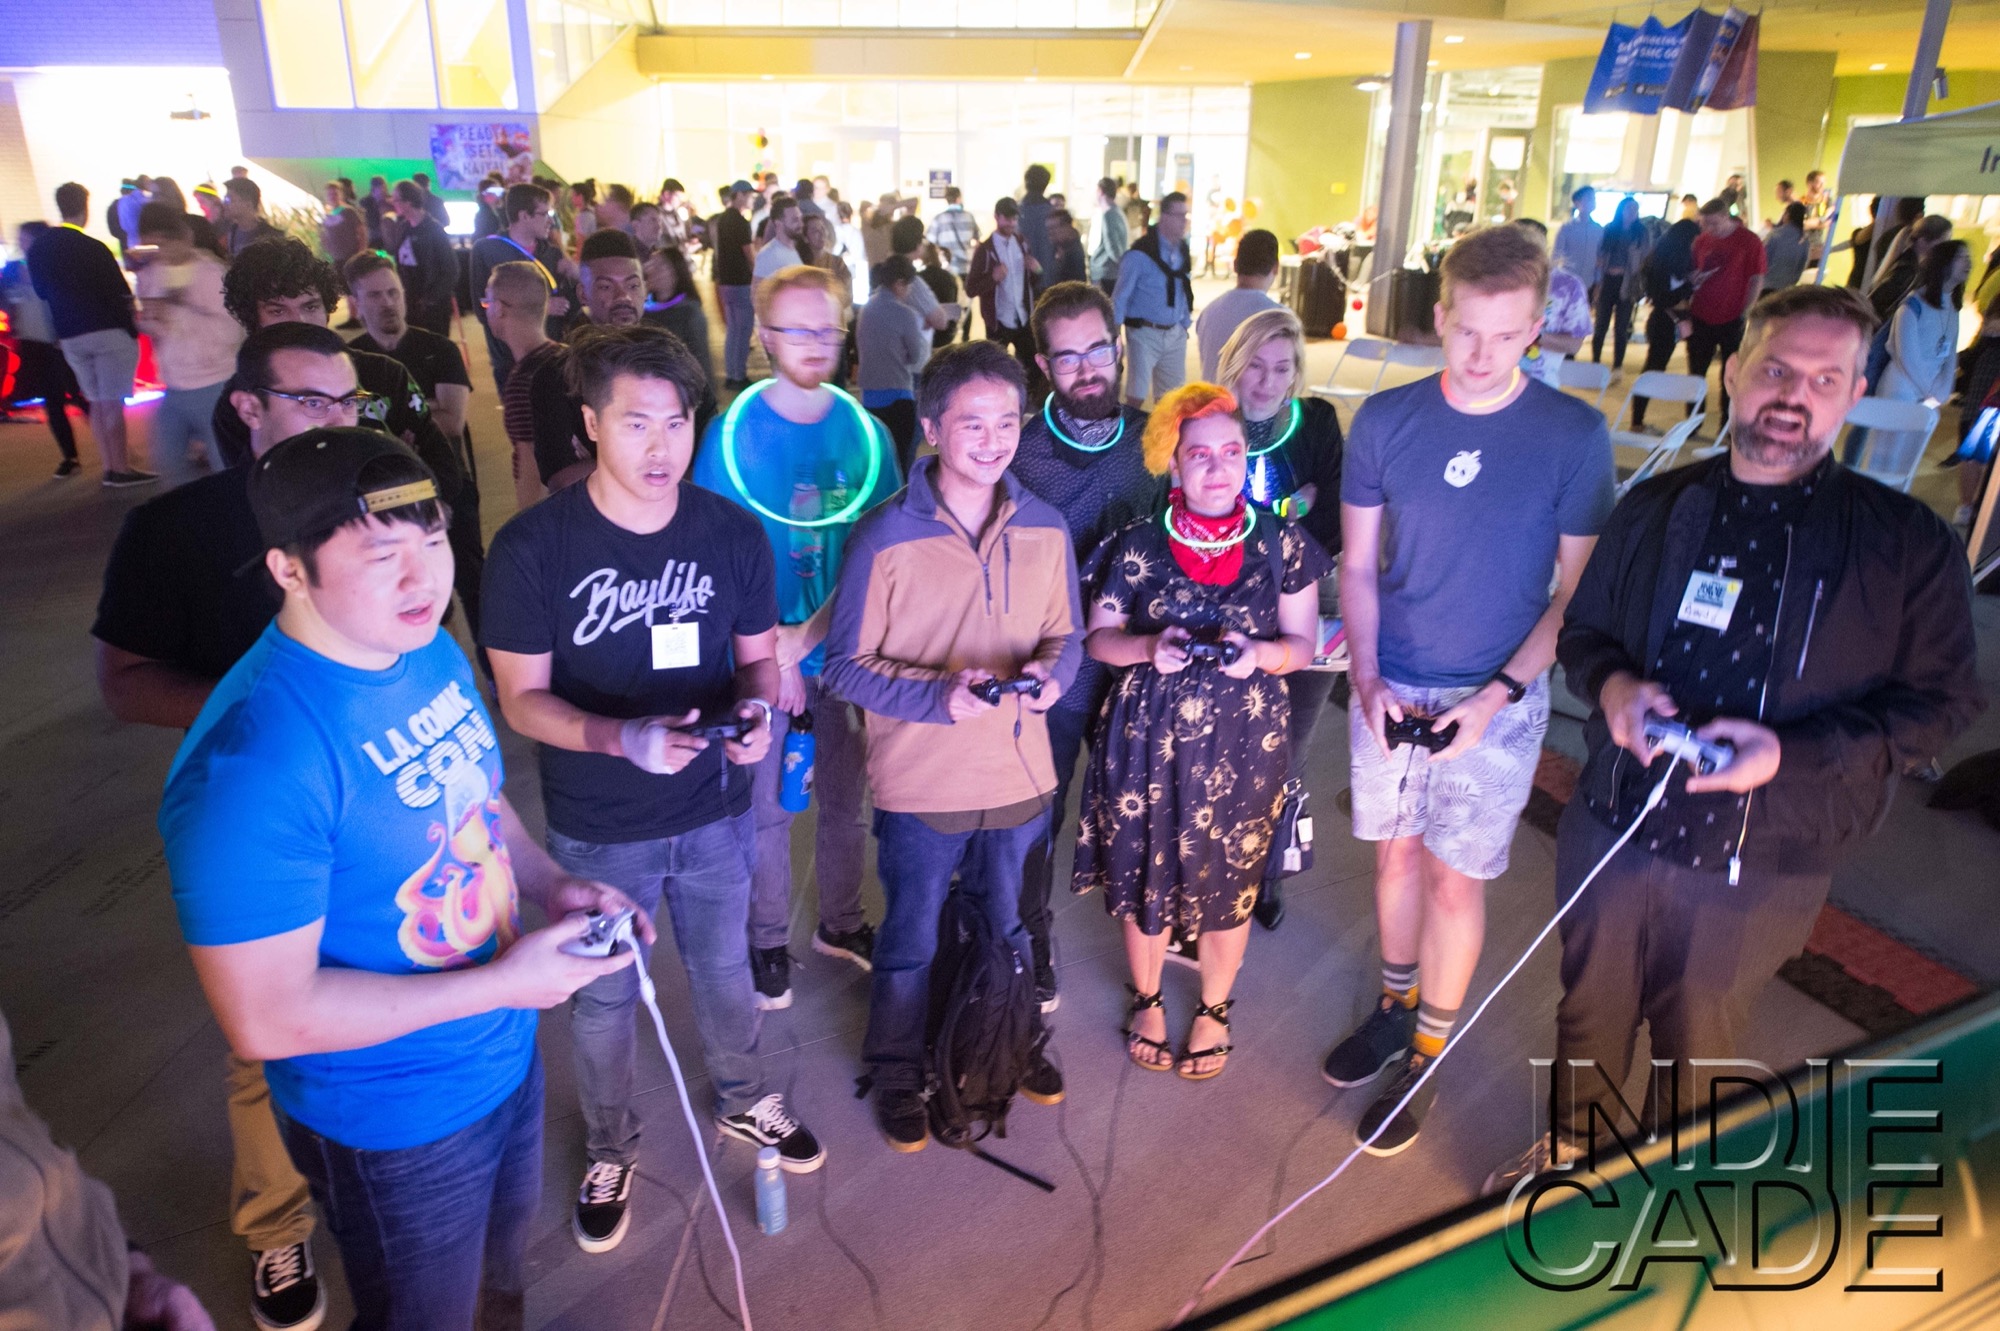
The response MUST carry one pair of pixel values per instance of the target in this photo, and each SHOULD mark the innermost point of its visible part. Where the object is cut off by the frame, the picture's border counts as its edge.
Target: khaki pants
(268, 1200)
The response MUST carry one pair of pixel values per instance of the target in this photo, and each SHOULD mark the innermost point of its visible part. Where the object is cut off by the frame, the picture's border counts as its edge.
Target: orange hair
(1189, 402)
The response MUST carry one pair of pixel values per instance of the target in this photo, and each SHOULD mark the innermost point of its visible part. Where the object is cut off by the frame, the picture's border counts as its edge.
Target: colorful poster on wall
(1634, 67)
(1703, 54)
(462, 153)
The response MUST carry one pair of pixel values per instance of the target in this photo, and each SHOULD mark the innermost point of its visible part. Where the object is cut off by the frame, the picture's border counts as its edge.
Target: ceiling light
(1876, 68)
(1371, 83)
(1453, 40)
(1430, 64)
(1302, 55)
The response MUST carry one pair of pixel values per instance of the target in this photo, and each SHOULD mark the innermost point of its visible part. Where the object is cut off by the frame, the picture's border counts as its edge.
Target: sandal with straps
(1134, 1042)
(1219, 1014)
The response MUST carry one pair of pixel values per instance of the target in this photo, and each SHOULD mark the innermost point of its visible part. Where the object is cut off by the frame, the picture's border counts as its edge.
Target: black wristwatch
(1515, 689)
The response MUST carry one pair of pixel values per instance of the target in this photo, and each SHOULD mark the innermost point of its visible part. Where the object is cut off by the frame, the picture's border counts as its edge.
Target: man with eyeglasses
(526, 212)
(1080, 452)
(179, 607)
(1154, 299)
(807, 460)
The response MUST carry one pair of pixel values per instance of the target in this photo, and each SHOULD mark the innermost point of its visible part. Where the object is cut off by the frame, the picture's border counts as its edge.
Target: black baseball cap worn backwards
(310, 484)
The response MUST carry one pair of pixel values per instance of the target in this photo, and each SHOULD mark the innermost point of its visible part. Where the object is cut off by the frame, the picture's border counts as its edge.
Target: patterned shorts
(1465, 809)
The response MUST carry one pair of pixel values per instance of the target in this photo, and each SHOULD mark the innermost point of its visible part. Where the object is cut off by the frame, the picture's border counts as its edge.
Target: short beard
(1755, 446)
(1100, 408)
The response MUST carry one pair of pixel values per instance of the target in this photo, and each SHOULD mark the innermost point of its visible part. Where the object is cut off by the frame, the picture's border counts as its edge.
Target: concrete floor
(1158, 1180)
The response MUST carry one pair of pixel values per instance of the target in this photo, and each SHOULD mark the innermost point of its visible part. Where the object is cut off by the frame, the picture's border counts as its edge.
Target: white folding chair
(1721, 444)
(1666, 450)
(1659, 386)
(1358, 350)
(1898, 433)
(1586, 377)
(1412, 356)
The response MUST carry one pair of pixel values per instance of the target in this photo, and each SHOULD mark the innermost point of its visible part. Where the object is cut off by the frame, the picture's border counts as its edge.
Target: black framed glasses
(1097, 358)
(321, 407)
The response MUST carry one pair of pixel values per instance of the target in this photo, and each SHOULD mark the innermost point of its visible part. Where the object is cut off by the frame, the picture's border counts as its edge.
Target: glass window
(475, 53)
(389, 42)
(812, 13)
(545, 32)
(307, 53)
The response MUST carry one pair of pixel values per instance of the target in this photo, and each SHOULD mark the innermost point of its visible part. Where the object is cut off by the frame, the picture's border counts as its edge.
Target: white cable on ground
(1652, 801)
(700, 1142)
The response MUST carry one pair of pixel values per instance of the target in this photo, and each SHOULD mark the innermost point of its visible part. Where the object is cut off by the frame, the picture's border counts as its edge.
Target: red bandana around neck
(1212, 568)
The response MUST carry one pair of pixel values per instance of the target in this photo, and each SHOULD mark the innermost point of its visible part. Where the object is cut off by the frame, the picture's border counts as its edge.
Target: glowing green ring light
(854, 506)
(1056, 430)
(1291, 428)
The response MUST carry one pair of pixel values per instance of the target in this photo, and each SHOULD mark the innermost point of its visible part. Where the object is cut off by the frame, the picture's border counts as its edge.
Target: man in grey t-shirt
(1461, 496)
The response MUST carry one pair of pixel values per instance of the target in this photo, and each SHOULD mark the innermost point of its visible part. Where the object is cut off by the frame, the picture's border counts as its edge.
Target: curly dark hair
(276, 269)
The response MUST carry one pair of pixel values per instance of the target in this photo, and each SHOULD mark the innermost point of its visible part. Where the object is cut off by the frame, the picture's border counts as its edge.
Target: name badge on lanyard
(1710, 600)
(676, 646)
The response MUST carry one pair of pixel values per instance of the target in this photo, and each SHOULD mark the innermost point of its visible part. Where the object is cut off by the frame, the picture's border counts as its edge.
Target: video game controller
(1671, 737)
(991, 690)
(1223, 652)
(603, 937)
(1417, 730)
(729, 728)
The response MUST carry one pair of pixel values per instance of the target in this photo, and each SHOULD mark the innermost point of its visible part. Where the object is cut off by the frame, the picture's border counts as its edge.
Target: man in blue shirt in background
(1154, 303)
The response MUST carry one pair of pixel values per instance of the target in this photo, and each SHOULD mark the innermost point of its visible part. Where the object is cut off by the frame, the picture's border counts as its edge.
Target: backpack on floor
(984, 1032)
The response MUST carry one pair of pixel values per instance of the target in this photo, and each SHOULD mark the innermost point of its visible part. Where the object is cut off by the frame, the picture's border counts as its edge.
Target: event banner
(463, 153)
(1684, 66)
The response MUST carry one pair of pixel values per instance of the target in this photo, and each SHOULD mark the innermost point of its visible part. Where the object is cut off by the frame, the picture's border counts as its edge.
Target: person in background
(1669, 279)
(487, 219)
(938, 280)
(674, 217)
(342, 232)
(115, 212)
(168, 191)
(955, 232)
(1066, 243)
(1621, 258)
(208, 198)
(1107, 242)
(194, 337)
(243, 210)
(1035, 209)
(583, 209)
(1728, 275)
(784, 236)
(1154, 301)
(1580, 238)
(1898, 274)
(614, 208)
(1732, 194)
(733, 272)
(378, 209)
(906, 237)
(41, 371)
(816, 248)
(1256, 270)
(1209, 571)
(90, 306)
(852, 249)
(1923, 345)
(1786, 249)
(517, 317)
(893, 346)
(614, 295)
(1973, 457)
(1138, 214)
(433, 205)
(528, 217)
(426, 260)
(1565, 320)
(649, 227)
(1003, 277)
(673, 302)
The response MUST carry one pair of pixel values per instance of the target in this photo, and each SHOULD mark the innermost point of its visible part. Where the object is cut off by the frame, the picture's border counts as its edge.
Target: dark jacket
(1876, 665)
(80, 279)
(1669, 267)
(982, 284)
(428, 263)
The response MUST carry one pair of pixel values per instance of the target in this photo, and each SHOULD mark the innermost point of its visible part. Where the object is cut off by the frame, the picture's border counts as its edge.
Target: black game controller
(991, 690)
(1671, 737)
(1223, 652)
(735, 728)
(1417, 730)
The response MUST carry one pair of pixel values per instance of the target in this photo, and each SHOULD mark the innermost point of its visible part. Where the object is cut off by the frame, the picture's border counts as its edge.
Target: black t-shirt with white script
(637, 626)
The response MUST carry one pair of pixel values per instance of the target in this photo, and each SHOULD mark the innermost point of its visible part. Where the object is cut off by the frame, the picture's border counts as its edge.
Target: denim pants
(1070, 723)
(434, 1237)
(705, 878)
(738, 314)
(916, 864)
(183, 416)
(840, 777)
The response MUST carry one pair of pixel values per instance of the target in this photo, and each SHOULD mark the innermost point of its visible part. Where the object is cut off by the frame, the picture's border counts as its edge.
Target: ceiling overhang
(845, 53)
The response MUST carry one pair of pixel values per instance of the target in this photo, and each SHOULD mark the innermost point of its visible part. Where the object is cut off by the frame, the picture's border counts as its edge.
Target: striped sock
(1400, 982)
(1433, 1029)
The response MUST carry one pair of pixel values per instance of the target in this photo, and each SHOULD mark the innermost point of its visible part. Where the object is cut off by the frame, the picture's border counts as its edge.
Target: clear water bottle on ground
(771, 1215)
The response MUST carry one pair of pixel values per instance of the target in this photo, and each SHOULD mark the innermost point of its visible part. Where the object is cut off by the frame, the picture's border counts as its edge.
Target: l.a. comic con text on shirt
(447, 731)
(681, 589)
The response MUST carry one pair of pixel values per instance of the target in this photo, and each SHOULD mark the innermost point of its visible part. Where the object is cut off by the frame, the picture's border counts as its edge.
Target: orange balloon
(1340, 331)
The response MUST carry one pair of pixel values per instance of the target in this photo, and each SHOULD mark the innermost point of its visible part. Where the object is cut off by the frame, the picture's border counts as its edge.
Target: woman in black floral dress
(1199, 606)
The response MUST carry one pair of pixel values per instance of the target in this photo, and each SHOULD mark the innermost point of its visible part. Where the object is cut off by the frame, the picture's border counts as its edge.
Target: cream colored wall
(609, 124)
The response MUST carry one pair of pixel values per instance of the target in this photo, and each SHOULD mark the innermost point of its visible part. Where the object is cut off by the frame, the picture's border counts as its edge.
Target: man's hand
(572, 894)
(1626, 699)
(1245, 664)
(155, 1303)
(1051, 690)
(999, 273)
(791, 690)
(750, 750)
(792, 645)
(536, 973)
(1756, 761)
(1170, 650)
(1034, 265)
(1379, 705)
(558, 306)
(654, 744)
(1473, 716)
(959, 703)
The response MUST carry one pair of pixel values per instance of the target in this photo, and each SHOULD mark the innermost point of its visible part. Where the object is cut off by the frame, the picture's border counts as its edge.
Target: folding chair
(1358, 349)
(1898, 433)
(1659, 386)
(1665, 451)
(1412, 356)
(1721, 444)
(1586, 377)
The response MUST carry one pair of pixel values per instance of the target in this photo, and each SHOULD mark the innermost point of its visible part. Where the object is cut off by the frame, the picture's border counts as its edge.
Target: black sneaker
(1045, 977)
(1375, 1044)
(1270, 908)
(603, 1211)
(903, 1119)
(1183, 949)
(771, 973)
(856, 945)
(1403, 1128)
(1044, 1082)
(285, 1293)
(67, 468)
(118, 480)
(767, 1123)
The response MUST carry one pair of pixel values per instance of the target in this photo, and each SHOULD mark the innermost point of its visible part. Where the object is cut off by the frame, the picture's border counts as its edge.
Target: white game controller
(604, 936)
(1672, 737)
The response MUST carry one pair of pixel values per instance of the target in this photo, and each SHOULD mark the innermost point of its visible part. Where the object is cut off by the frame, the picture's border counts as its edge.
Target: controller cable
(1653, 799)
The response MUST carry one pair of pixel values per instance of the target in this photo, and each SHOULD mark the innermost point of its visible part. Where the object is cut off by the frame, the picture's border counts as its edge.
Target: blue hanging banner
(1635, 66)
(1710, 39)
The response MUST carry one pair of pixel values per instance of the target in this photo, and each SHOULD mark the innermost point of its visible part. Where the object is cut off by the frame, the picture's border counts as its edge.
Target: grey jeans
(840, 777)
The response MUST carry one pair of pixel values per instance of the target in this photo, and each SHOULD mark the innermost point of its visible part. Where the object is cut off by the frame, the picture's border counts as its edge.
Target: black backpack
(983, 1032)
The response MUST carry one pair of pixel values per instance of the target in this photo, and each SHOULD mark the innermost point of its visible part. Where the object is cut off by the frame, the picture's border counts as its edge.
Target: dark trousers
(1614, 312)
(1070, 723)
(1678, 948)
(1662, 333)
(1704, 342)
(1020, 341)
(900, 417)
(45, 373)
(468, 544)
(502, 358)
(1308, 691)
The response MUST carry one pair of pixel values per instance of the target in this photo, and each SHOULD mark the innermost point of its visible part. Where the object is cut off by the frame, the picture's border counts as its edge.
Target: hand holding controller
(731, 728)
(1667, 736)
(605, 936)
(1417, 731)
(1224, 653)
(992, 690)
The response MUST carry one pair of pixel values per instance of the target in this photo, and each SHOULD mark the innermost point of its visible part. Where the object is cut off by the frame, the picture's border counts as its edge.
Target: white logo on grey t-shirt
(1461, 470)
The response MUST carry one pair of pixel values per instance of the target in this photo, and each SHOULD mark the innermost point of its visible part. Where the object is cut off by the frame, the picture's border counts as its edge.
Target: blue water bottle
(771, 1214)
(796, 778)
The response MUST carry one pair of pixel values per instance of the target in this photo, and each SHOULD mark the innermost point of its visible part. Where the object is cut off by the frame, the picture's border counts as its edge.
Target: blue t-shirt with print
(370, 800)
(800, 473)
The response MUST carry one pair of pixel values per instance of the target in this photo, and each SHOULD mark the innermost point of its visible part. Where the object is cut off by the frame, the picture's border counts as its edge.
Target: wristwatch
(1515, 689)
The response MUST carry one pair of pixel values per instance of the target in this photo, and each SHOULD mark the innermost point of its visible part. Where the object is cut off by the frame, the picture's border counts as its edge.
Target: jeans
(738, 314)
(1661, 335)
(1705, 340)
(1070, 722)
(183, 416)
(705, 878)
(433, 1237)
(839, 780)
(269, 1204)
(916, 864)
(1614, 311)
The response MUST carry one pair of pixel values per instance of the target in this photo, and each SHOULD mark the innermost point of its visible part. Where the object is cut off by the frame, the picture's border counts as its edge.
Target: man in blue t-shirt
(1461, 495)
(629, 609)
(347, 874)
(807, 460)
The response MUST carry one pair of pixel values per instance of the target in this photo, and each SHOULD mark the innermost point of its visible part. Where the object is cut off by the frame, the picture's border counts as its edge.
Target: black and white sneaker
(1043, 1083)
(1401, 1131)
(769, 1123)
(1183, 949)
(119, 480)
(771, 973)
(1374, 1046)
(855, 945)
(67, 468)
(603, 1206)
(285, 1293)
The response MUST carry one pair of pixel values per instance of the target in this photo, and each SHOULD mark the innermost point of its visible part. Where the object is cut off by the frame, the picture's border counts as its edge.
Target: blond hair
(1496, 259)
(1189, 402)
(795, 277)
(1250, 338)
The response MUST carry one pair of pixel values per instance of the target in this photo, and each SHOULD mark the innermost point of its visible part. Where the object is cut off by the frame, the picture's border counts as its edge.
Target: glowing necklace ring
(1049, 416)
(854, 505)
(1211, 547)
